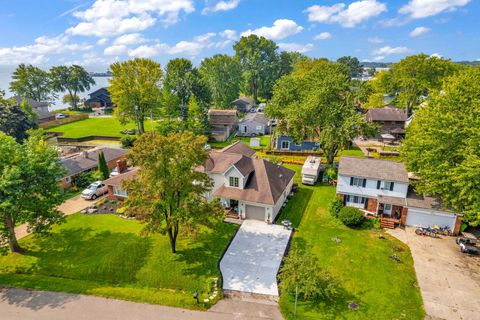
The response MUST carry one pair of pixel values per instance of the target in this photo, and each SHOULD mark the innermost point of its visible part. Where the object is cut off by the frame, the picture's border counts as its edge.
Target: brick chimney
(121, 166)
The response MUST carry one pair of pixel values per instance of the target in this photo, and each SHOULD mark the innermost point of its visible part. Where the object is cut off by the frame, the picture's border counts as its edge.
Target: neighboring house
(289, 144)
(250, 187)
(40, 108)
(254, 124)
(390, 120)
(114, 184)
(382, 188)
(99, 99)
(87, 161)
(223, 123)
(242, 104)
(240, 148)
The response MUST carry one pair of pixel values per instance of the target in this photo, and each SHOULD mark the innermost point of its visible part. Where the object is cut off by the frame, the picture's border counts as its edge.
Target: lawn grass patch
(105, 255)
(383, 288)
(264, 142)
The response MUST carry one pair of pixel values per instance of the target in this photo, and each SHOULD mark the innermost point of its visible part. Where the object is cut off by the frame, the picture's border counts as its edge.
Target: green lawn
(105, 255)
(95, 127)
(383, 288)
(264, 142)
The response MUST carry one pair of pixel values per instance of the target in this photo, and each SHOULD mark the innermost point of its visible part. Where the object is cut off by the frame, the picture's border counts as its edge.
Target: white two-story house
(249, 187)
(381, 188)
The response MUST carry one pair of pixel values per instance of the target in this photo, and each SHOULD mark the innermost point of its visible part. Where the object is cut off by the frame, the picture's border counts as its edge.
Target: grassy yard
(383, 288)
(95, 126)
(264, 142)
(105, 255)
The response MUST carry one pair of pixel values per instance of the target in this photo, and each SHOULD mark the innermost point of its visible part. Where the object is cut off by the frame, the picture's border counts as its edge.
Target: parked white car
(95, 190)
(60, 116)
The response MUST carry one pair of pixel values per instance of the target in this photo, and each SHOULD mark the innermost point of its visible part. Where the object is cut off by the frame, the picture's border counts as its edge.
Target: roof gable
(373, 169)
(387, 113)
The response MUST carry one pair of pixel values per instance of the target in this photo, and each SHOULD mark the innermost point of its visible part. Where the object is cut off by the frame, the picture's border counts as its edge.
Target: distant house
(87, 161)
(391, 120)
(242, 104)
(114, 184)
(99, 99)
(254, 124)
(287, 143)
(40, 108)
(223, 123)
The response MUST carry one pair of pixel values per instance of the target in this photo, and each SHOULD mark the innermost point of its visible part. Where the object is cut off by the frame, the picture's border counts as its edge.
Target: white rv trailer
(311, 170)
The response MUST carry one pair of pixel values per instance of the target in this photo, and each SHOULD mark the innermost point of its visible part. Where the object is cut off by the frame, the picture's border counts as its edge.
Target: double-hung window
(359, 182)
(285, 145)
(234, 182)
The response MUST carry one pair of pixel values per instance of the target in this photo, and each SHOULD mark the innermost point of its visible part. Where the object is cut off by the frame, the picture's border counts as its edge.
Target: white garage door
(254, 212)
(420, 218)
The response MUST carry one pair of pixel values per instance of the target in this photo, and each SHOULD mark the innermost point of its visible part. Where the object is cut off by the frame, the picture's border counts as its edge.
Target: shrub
(83, 179)
(302, 271)
(128, 141)
(334, 207)
(351, 216)
(331, 173)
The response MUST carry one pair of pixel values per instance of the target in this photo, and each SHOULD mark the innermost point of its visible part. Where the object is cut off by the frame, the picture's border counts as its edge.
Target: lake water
(6, 77)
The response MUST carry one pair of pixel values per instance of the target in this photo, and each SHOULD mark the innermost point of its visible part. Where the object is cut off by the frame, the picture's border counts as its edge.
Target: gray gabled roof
(87, 160)
(258, 117)
(239, 147)
(372, 169)
(387, 113)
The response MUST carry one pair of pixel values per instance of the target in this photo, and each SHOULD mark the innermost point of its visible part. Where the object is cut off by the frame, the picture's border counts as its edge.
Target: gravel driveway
(449, 280)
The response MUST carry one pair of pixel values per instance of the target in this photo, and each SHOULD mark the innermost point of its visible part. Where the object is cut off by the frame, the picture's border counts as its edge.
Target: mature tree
(103, 167)
(29, 191)
(259, 60)
(353, 65)
(197, 121)
(362, 90)
(72, 100)
(316, 101)
(442, 145)
(223, 76)
(169, 193)
(73, 79)
(28, 110)
(15, 122)
(135, 88)
(32, 83)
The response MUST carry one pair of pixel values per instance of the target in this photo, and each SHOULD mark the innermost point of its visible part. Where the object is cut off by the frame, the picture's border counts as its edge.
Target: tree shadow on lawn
(106, 256)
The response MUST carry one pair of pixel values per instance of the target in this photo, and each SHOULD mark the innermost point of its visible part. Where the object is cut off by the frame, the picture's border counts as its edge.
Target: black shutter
(364, 183)
(378, 184)
(391, 186)
(351, 181)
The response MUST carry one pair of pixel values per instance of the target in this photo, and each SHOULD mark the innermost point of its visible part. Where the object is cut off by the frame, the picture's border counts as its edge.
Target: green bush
(351, 216)
(128, 141)
(83, 180)
(331, 173)
(334, 207)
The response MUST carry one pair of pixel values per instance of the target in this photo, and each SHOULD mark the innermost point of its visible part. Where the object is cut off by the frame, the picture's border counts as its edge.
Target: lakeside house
(381, 188)
(390, 120)
(99, 99)
(40, 108)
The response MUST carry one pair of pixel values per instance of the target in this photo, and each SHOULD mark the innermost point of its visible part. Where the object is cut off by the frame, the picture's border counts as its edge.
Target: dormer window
(234, 182)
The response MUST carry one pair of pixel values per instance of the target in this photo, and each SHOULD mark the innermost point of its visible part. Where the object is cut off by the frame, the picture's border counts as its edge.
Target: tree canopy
(169, 193)
(353, 65)
(15, 122)
(29, 190)
(315, 101)
(32, 83)
(135, 88)
(442, 144)
(73, 79)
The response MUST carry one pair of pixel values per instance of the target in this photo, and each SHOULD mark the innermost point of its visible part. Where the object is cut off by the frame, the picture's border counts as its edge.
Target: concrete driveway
(252, 260)
(449, 280)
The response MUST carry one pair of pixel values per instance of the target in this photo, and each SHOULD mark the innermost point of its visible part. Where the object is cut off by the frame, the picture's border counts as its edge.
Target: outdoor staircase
(387, 224)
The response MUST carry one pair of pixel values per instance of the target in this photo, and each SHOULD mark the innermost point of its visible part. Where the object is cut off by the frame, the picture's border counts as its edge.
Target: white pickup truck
(95, 190)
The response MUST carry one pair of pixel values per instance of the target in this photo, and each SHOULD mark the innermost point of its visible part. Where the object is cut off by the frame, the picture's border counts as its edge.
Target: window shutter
(378, 184)
(391, 186)
(351, 181)
(364, 183)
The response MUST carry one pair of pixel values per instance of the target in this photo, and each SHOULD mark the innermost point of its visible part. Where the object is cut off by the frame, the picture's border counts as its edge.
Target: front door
(387, 209)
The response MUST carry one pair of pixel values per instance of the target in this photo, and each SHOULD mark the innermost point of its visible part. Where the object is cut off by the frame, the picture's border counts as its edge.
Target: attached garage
(255, 212)
(426, 218)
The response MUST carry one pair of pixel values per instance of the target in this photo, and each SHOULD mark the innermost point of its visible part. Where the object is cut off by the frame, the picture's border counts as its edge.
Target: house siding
(251, 128)
(293, 146)
(370, 190)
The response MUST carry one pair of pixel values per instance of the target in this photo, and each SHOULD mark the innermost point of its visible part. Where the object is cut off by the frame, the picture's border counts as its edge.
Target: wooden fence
(57, 122)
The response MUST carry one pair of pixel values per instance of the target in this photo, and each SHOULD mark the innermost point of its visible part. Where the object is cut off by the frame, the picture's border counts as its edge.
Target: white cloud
(106, 18)
(375, 40)
(418, 31)
(436, 55)
(298, 47)
(129, 39)
(115, 50)
(378, 58)
(348, 17)
(222, 6)
(387, 50)
(229, 34)
(281, 29)
(426, 8)
(102, 41)
(323, 36)
(145, 51)
(206, 37)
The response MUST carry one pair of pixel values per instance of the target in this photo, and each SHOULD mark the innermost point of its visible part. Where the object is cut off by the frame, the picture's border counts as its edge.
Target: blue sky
(98, 32)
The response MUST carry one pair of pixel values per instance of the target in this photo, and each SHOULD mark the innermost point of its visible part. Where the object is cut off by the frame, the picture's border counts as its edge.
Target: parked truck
(311, 170)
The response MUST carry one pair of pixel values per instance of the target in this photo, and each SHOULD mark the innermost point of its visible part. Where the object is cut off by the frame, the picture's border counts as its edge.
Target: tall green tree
(169, 193)
(223, 76)
(29, 190)
(73, 79)
(316, 101)
(353, 65)
(32, 83)
(258, 58)
(135, 88)
(15, 122)
(442, 144)
(103, 167)
(287, 61)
